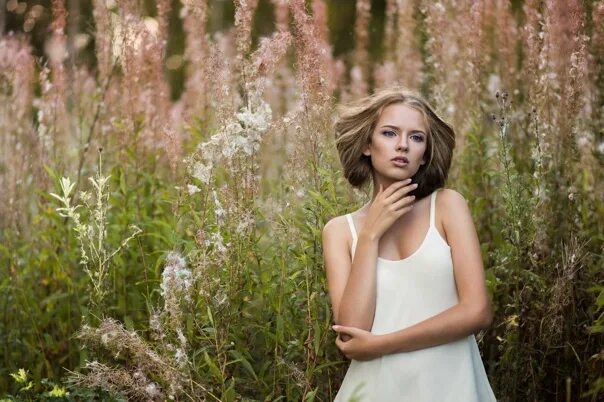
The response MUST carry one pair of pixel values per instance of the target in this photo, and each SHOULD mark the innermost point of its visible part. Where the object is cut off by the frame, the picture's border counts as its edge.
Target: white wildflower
(257, 119)
(202, 172)
(217, 241)
(85, 196)
(218, 210)
(183, 11)
(151, 25)
(439, 7)
(494, 84)
(356, 74)
(245, 221)
(583, 143)
(152, 390)
(192, 189)
(155, 324)
(176, 278)
(220, 298)
(180, 356)
(181, 337)
(139, 375)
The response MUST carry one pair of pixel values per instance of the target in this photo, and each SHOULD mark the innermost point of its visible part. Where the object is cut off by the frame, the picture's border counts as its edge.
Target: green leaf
(122, 182)
(311, 395)
(50, 300)
(210, 316)
(279, 334)
(229, 393)
(213, 368)
(244, 362)
(20, 376)
(52, 173)
(316, 337)
(328, 364)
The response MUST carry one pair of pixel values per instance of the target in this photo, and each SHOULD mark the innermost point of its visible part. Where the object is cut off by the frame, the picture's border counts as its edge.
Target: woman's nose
(402, 144)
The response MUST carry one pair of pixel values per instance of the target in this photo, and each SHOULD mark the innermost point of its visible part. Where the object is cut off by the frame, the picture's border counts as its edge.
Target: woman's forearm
(450, 325)
(357, 306)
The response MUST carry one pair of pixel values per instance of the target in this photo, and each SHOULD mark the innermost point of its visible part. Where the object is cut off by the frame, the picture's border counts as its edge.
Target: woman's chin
(392, 178)
(399, 175)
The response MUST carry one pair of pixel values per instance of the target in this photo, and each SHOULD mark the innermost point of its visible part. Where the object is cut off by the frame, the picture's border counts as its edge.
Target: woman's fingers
(400, 192)
(395, 187)
(406, 201)
(342, 346)
(403, 211)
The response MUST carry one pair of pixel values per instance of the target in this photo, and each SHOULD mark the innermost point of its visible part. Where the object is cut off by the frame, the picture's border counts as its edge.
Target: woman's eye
(418, 138)
(387, 133)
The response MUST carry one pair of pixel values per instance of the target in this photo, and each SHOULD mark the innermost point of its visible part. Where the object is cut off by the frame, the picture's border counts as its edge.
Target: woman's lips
(399, 162)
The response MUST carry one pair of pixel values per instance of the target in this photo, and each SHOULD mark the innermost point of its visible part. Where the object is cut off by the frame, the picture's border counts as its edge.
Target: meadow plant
(360, 71)
(95, 257)
(17, 70)
(195, 97)
(144, 363)
(516, 192)
(311, 68)
(56, 49)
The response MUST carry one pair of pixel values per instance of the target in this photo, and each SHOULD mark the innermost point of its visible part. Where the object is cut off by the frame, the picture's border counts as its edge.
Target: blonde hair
(357, 121)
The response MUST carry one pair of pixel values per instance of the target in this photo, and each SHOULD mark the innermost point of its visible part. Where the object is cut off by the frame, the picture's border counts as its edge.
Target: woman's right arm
(352, 287)
(352, 284)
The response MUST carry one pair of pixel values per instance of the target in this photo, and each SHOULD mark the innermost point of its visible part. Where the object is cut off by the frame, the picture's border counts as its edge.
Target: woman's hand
(362, 345)
(389, 205)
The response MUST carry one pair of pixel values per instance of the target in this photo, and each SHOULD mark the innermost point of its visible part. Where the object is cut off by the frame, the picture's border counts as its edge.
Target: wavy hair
(357, 121)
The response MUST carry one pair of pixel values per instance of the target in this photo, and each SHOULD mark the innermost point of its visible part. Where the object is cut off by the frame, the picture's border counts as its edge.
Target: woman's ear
(367, 151)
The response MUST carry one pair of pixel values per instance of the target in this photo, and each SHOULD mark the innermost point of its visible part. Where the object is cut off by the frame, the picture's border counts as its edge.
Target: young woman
(404, 272)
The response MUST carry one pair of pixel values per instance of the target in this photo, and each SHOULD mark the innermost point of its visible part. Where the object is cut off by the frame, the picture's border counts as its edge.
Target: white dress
(409, 291)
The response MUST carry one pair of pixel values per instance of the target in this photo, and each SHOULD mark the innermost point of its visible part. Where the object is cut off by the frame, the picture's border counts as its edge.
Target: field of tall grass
(164, 185)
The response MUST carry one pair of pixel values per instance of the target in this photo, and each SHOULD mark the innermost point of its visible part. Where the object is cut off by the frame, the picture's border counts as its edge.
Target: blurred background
(167, 168)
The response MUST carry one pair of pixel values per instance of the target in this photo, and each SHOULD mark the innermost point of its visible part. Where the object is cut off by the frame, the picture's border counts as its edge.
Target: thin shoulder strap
(353, 231)
(432, 208)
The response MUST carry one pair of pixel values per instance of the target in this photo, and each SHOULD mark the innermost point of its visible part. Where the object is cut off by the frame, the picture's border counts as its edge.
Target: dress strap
(352, 230)
(432, 208)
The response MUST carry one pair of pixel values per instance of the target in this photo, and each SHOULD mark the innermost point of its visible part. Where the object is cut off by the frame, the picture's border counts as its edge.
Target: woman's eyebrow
(390, 126)
(417, 130)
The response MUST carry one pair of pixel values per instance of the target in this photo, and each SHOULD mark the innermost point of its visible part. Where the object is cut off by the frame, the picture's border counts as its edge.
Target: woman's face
(400, 133)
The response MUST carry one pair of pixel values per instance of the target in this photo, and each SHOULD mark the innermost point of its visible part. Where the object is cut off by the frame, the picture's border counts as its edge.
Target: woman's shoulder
(335, 225)
(336, 229)
(339, 225)
(449, 195)
(451, 203)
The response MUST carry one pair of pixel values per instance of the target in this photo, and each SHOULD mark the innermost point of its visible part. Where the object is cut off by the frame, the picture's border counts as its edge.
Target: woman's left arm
(471, 314)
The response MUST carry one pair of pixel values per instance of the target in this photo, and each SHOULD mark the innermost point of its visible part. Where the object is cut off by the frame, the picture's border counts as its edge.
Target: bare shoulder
(336, 228)
(448, 196)
(337, 241)
(453, 205)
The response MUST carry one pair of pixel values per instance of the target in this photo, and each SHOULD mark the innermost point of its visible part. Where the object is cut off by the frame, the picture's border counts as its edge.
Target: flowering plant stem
(94, 254)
